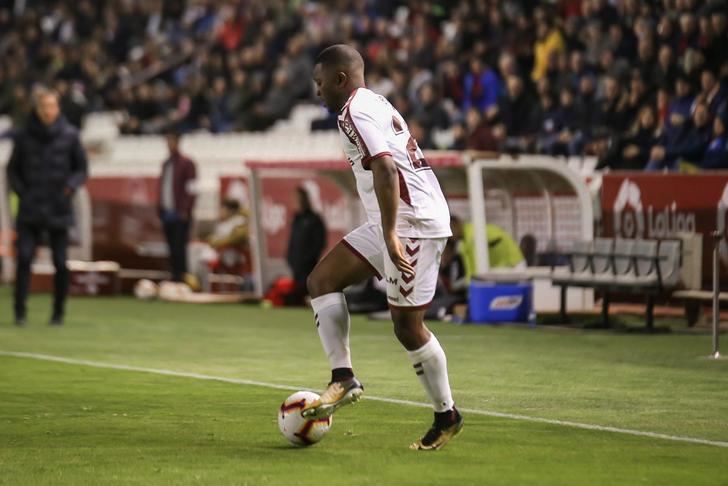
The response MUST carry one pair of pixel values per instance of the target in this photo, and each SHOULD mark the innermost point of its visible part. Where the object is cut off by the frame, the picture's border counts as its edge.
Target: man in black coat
(47, 166)
(306, 243)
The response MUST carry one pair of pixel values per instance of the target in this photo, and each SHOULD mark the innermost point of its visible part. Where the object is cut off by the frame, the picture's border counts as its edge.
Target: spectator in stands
(550, 124)
(613, 106)
(639, 96)
(632, 151)
(690, 147)
(681, 108)
(572, 135)
(276, 105)
(46, 168)
(176, 203)
(665, 71)
(517, 116)
(713, 92)
(429, 110)
(549, 42)
(716, 154)
(586, 104)
(481, 86)
(221, 118)
(306, 243)
(478, 134)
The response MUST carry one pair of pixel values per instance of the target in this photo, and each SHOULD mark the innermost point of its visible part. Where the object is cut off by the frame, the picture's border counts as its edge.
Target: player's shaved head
(338, 70)
(341, 57)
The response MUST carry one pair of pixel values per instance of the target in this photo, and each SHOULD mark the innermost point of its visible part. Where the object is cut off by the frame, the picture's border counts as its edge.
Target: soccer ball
(145, 289)
(298, 430)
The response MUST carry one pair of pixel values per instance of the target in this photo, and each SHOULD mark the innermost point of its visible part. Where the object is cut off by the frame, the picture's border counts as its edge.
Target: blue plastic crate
(500, 302)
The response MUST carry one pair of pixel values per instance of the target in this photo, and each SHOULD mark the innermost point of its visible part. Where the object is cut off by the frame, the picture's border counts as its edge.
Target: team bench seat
(650, 267)
(693, 299)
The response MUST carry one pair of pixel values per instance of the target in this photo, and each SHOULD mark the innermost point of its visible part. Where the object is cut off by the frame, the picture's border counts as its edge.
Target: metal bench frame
(608, 280)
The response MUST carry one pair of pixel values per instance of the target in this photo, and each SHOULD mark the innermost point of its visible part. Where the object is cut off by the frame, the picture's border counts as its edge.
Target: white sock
(332, 322)
(430, 365)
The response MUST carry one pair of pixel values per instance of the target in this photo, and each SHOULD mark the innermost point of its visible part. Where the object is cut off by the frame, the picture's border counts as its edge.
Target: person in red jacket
(176, 202)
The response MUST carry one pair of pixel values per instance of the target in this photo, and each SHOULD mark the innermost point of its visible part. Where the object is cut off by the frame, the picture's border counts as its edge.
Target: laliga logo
(722, 226)
(629, 224)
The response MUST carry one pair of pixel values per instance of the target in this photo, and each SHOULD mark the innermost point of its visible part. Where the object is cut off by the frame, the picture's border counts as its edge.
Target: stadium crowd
(641, 84)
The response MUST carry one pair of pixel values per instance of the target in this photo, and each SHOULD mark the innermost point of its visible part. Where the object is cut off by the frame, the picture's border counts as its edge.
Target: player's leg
(409, 298)
(344, 265)
(430, 365)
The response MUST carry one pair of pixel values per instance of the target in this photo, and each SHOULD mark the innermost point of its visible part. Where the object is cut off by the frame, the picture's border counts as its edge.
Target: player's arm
(386, 187)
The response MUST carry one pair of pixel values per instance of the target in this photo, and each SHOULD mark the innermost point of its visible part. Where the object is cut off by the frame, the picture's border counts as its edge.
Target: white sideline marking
(489, 413)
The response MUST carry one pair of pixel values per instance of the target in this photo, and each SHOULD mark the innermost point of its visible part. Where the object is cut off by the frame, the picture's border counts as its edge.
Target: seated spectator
(632, 151)
(665, 71)
(639, 96)
(276, 105)
(503, 251)
(429, 110)
(481, 86)
(690, 147)
(716, 155)
(681, 108)
(550, 125)
(517, 116)
(549, 41)
(571, 136)
(479, 135)
(221, 119)
(225, 250)
(713, 92)
(586, 104)
(612, 109)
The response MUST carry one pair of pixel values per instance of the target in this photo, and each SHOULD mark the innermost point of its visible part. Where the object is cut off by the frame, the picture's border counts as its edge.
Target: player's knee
(406, 336)
(409, 329)
(315, 284)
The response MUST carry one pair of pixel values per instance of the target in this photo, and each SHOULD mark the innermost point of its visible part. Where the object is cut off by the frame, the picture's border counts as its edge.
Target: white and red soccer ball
(295, 428)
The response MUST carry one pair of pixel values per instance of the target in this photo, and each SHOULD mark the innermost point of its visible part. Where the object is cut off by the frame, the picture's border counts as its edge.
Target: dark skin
(340, 267)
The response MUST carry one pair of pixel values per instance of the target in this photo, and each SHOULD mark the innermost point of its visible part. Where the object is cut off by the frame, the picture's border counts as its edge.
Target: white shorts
(414, 292)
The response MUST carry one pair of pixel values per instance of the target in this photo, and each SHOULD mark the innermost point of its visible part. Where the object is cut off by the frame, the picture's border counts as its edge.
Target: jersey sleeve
(371, 137)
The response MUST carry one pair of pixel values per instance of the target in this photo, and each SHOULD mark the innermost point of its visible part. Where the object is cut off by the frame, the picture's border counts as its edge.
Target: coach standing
(47, 166)
(176, 201)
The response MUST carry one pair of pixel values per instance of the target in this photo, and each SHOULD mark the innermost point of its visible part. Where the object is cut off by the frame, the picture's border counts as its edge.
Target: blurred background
(570, 119)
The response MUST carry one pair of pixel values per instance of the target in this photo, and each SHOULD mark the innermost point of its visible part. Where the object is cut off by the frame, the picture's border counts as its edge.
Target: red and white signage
(659, 206)
(125, 223)
(278, 203)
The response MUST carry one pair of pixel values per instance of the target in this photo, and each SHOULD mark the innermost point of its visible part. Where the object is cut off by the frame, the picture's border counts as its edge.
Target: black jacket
(307, 242)
(46, 160)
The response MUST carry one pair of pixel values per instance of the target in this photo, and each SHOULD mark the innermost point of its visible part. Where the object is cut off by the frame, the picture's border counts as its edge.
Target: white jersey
(371, 127)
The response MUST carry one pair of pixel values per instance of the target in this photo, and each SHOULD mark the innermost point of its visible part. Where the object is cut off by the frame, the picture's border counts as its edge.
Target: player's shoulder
(367, 102)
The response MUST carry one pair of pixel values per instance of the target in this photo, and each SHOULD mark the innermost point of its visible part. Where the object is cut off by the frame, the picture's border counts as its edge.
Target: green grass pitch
(64, 423)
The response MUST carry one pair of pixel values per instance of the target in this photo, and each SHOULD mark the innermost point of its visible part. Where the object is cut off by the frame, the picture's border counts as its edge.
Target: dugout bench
(642, 266)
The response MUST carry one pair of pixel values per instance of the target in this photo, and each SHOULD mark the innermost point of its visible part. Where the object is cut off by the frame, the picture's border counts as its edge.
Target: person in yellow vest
(503, 251)
(549, 42)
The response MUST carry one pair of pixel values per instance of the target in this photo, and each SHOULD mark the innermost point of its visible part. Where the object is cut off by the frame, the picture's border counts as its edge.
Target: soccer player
(402, 241)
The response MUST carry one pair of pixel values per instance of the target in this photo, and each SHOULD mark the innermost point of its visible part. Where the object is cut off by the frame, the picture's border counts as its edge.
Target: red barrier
(125, 224)
(278, 206)
(638, 205)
